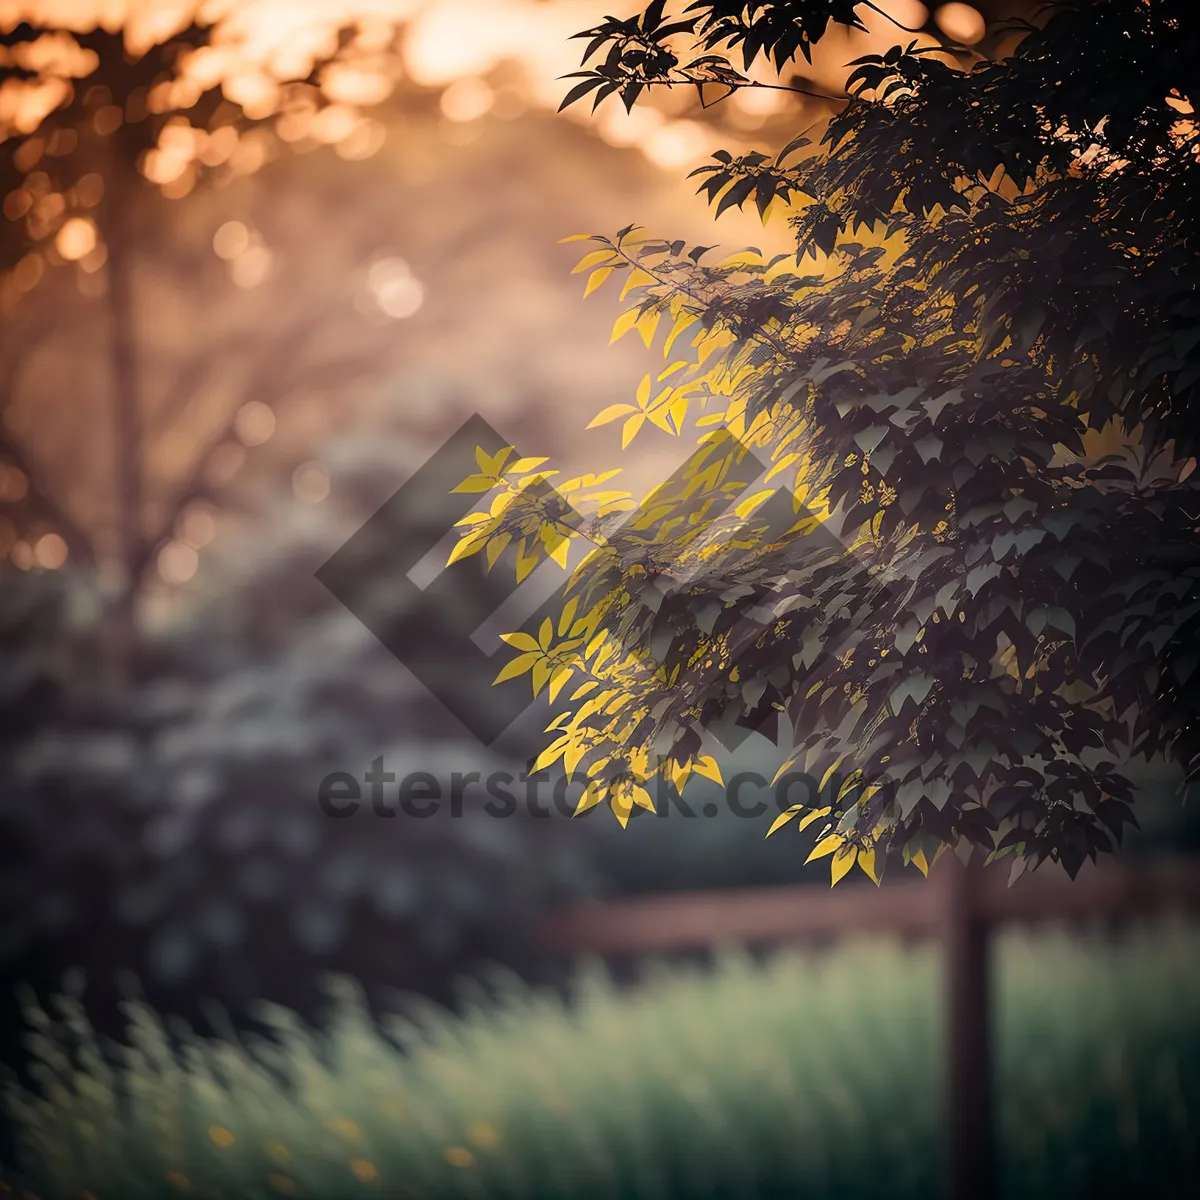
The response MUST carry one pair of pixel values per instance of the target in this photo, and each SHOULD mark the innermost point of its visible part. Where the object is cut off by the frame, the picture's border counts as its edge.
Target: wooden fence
(958, 905)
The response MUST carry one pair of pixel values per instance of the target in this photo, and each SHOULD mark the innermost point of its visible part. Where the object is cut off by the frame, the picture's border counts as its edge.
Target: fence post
(968, 1094)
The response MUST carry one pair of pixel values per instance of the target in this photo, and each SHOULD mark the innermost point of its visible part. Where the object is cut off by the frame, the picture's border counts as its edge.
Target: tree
(180, 838)
(977, 371)
(105, 118)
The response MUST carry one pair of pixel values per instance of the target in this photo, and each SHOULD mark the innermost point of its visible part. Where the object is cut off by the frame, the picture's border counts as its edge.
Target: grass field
(804, 1076)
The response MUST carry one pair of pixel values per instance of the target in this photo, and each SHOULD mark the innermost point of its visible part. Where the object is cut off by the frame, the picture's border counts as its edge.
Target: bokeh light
(198, 526)
(366, 139)
(50, 551)
(89, 191)
(467, 100)
(310, 482)
(177, 562)
(17, 203)
(76, 239)
(961, 23)
(676, 144)
(254, 423)
(13, 484)
(394, 288)
(908, 14)
(251, 267)
(230, 240)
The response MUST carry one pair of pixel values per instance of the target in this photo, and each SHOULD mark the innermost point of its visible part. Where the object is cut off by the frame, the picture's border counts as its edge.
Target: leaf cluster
(942, 518)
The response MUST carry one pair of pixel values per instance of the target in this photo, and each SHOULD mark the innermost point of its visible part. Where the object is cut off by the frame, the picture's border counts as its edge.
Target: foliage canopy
(978, 372)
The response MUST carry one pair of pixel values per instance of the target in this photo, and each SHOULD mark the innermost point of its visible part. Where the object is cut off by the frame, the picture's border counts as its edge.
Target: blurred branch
(78, 542)
(182, 392)
(270, 383)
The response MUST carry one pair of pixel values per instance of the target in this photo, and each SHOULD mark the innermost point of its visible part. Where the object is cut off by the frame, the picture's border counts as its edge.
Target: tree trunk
(128, 457)
(968, 1094)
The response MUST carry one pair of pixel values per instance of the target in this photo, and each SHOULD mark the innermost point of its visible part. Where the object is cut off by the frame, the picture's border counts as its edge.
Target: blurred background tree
(318, 296)
(111, 116)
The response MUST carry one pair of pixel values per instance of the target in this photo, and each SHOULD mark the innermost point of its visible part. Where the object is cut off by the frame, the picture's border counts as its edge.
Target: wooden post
(968, 1093)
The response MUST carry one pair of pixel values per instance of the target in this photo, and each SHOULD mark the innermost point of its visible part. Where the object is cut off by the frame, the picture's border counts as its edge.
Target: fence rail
(957, 904)
(908, 907)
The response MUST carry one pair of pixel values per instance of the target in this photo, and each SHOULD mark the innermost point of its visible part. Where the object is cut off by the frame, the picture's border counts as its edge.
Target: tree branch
(78, 542)
(270, 383)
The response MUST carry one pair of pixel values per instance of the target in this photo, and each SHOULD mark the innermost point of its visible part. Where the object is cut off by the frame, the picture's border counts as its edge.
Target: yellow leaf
(643, 799)
(532, 480)
(524, 464)
(611, 413)
(647, 326)
(631, 428)
(520, 641)
(815, 815)
(518, 666)
(495, 548)
(685, 321)
(841, 865)
(918, 860)
(475, 483)
(468, 545)
(784, 769)
(576, 237)
(678, 773)
(545, 633)
(675, 366)
(781, 465)
(783, 818)
(866, 860)
(567, 615)
(849, 784)
(825, 846)
(526, 560)
(623, 324)
(706, 765)
(595, 279)
(503, 501)
(622, 807)
(575, 751)
(557, 681)
(591, 260)
(491, 464)
(660, 413)
(747, 506)
(828, 776)
(542, 670)
(551, 754)
(670, 414)
(637, 278)
(742, 258)
(592, 795)
(643, 392)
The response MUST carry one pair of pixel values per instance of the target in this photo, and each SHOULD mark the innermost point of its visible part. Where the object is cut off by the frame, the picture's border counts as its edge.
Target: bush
(814, 1076)
(174, 830)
